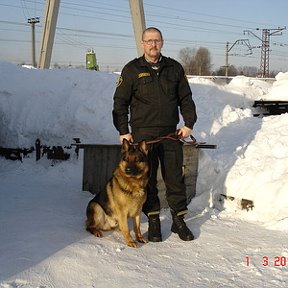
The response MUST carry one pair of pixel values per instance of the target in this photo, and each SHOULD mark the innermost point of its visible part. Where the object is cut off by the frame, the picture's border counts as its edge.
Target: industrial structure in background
(91, 60)
(244, 42)
(138, 20)
(265, 48)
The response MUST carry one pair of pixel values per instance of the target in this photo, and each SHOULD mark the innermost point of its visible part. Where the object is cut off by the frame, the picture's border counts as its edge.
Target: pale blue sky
(105, 26)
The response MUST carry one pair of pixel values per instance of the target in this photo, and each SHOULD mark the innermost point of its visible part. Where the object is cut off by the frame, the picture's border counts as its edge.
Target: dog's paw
(132, 244)
(95, 232)
(98, 234)
(141, 239)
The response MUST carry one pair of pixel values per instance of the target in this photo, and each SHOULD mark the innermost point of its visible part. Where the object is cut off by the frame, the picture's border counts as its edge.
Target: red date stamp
(276, 261)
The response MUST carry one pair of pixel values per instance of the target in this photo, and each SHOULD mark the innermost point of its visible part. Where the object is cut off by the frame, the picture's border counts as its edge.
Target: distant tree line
(198, 62)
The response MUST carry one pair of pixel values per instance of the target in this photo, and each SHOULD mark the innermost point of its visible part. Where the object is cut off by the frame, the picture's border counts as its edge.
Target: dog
(123, 197)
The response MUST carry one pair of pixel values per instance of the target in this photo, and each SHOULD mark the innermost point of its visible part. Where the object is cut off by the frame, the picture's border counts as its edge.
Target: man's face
(152, 44)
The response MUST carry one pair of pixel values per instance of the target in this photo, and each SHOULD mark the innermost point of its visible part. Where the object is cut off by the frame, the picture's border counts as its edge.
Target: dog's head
(134, 158)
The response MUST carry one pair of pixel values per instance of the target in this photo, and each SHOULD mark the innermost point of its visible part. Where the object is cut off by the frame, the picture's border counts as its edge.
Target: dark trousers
(169, 154)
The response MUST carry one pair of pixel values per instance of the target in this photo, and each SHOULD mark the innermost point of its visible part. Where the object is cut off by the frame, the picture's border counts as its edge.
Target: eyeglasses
(151, 42)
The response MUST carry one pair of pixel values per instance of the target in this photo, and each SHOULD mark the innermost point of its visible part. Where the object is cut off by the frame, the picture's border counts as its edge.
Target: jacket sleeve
(122, 97)
(186, 103)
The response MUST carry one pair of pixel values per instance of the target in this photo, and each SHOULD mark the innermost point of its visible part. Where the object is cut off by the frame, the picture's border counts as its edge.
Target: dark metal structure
(271, 107)
(265, 48)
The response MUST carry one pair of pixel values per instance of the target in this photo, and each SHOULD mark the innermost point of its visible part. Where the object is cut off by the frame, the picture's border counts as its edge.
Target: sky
(43, 242)
(105, 27)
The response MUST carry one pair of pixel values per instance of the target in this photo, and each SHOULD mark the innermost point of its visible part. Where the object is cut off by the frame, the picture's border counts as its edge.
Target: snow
(43, 242)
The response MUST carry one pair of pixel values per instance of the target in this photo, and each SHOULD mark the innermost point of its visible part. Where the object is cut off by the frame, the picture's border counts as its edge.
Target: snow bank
(251, 160)
(55, 106)
(279, 90)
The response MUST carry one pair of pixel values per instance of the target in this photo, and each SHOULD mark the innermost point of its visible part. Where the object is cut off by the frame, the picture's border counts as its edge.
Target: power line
(13, 23)
(265, 47)
(169, 18)
(201, 14)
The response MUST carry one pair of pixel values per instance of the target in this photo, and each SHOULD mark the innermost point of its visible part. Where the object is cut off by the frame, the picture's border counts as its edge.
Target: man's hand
(127, 137)
(184, 132)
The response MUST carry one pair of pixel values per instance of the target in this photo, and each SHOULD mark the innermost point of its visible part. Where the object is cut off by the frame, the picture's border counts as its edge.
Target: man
(152, 89)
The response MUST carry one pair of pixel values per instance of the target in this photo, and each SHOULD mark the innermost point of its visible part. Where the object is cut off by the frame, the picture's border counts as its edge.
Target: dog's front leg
(138, 234)
(124, 228)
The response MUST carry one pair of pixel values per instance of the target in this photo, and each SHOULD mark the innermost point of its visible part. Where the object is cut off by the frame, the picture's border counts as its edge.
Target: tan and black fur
(123, 197)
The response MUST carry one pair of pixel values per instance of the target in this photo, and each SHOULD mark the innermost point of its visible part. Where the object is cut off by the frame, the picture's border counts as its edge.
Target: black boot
(154, 228)
(179, 227)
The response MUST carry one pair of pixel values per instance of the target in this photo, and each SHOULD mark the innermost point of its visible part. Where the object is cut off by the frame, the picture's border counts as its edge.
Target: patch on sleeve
(119, 81)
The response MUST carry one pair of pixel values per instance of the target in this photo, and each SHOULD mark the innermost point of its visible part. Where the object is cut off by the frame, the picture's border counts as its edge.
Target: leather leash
(172, 136)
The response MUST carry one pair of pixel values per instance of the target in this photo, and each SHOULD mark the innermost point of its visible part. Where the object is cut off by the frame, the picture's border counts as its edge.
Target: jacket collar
(143, 61)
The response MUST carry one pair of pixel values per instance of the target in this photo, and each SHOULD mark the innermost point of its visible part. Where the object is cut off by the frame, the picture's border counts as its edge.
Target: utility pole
(51, 14)
(237, 42)
(265, 46)
(138, 19)
(33, 21)
(226, 59)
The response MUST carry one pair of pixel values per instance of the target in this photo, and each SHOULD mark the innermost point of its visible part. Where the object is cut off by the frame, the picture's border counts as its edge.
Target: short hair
(152, 29)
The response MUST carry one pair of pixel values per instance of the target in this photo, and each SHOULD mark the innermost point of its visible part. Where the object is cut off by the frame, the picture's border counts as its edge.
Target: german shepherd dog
(123, 197)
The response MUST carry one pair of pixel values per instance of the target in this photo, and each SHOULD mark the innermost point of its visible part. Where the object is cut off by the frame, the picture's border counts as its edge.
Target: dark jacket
(153, 97)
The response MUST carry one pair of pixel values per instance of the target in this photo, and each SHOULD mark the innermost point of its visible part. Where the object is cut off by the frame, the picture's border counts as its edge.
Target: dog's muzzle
(130, 170)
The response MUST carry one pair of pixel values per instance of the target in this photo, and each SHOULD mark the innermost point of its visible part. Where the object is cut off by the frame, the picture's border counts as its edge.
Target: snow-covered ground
(43, 242)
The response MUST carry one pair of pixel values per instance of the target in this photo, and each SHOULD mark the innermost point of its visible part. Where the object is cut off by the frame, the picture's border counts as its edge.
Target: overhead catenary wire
(169, 18)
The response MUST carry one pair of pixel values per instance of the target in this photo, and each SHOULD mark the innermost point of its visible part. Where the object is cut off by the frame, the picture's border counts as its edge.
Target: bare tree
(187, 59)
(203, 62)
(196, 62)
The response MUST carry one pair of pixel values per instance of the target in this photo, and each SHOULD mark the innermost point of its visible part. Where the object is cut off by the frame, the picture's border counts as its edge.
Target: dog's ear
(143, 147)
(125, 145)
